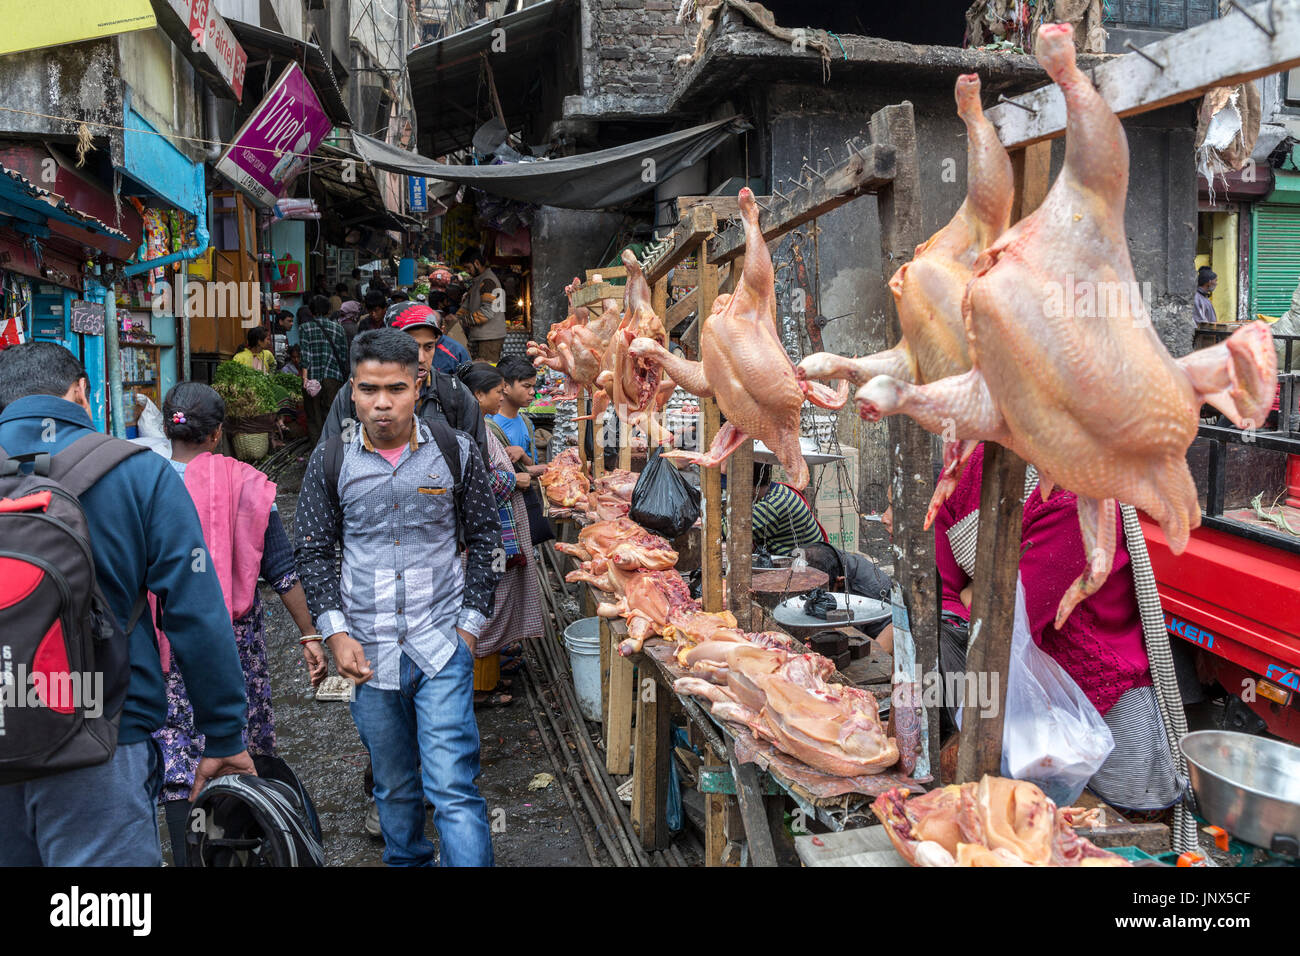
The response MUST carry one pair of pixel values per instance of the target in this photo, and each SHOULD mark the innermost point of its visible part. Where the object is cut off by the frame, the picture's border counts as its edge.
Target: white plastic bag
(1053, 736)
(150, 425)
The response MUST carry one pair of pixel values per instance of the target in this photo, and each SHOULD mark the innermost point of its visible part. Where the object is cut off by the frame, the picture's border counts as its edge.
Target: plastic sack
(149, 423)
(1053, 736)
(663, 501)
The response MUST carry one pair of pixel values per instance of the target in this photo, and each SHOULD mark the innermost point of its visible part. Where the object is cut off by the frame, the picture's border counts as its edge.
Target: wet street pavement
(320, 743)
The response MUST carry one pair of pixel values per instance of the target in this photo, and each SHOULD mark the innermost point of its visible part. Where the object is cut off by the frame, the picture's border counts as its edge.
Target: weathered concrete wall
(566, 242)
(165, 89)
(78, 80)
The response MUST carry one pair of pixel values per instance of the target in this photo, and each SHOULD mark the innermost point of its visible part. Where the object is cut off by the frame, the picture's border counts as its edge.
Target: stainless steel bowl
(1248, 785)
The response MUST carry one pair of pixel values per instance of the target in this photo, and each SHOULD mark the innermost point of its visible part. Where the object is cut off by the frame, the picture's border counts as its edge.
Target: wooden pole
(740, 533)
(997, 556)
(899, 208)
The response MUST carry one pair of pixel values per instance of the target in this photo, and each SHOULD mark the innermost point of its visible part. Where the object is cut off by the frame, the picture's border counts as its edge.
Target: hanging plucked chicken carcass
(1066, 369)
(577, 345)
(744, 366)
(637, 389)
(928, 290)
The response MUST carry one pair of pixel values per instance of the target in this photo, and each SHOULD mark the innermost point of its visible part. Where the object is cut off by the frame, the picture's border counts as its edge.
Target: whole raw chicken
(635, 387)
(565, 481)
(745, 367)
(928, 290)
(623, 542)
(995, 822)
(1066, 369)
(577, 345)
(784, 698)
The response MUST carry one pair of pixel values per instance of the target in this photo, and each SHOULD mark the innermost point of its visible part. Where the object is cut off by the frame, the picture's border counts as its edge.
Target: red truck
(1234, 592)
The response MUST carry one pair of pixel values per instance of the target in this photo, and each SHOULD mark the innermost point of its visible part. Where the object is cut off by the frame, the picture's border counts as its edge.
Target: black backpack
(446, 439)
(58, 636)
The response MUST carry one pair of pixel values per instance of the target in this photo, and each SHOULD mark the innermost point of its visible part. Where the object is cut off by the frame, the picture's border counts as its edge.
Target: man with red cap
(442, 396)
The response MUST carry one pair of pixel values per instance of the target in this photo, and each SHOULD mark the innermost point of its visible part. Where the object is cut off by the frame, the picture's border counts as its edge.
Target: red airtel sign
(213, 37)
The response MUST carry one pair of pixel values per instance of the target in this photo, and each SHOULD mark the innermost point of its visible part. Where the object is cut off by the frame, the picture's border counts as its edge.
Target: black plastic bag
(663, 501)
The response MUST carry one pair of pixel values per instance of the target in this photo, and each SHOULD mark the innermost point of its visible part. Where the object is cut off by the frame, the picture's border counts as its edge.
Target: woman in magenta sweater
(1101, 645)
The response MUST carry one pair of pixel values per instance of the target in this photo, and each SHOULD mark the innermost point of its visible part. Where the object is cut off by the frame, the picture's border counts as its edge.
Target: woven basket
(251, 447)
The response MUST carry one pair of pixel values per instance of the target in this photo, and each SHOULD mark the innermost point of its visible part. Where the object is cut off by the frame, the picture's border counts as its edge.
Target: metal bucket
(1248, 785)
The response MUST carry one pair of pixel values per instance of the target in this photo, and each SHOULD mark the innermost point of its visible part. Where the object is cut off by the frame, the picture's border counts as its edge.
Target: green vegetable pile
(247, 392)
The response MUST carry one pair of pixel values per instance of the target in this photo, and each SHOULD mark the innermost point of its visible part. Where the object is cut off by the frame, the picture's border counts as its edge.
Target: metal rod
(1270, 29)
(561, 778)
(815, 172)
(1002, 98)
(1129, 45)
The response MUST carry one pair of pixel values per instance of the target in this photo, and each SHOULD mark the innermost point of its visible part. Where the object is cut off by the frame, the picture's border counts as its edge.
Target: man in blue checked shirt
(403, 620)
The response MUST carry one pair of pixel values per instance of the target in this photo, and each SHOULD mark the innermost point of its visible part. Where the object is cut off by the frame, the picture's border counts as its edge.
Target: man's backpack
(64, 660)
(447, 443)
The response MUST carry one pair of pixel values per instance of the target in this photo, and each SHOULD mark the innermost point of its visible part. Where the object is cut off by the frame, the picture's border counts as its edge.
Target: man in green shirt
(783, 519)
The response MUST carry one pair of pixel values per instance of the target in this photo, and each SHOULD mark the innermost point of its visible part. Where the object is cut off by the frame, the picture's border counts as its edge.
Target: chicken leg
(928, 289)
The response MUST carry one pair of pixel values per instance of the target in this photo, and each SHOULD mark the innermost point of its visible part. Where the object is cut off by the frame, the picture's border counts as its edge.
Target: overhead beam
(1222, 52)
(866, 171)
(679, 312)
(697, 225)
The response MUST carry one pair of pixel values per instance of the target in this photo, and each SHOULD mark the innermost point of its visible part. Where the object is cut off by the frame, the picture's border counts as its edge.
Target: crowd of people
(420, 479)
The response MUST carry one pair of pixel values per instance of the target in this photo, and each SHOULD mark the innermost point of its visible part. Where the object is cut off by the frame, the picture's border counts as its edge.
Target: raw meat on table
(565, 481)
(1080, 385)
(995, 822)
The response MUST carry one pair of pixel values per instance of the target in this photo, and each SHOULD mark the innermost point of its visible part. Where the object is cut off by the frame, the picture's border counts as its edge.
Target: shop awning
(271, 50)
(29, 208)
(595, 180)
(447, 74)
(354, 201)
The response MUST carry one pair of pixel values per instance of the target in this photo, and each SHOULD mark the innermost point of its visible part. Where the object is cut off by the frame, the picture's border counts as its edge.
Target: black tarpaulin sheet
(596, 180)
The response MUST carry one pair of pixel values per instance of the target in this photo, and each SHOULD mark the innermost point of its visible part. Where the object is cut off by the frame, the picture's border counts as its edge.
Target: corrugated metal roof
(18, 189)
(445, 73)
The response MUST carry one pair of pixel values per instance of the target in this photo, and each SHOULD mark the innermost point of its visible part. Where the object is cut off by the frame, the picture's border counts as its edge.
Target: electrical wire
(169, 136)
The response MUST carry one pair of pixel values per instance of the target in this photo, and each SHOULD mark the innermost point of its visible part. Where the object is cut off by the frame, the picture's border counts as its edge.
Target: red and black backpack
(64, 660)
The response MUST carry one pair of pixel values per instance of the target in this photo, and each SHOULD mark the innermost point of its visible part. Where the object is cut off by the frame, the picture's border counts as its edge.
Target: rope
(1183, 834)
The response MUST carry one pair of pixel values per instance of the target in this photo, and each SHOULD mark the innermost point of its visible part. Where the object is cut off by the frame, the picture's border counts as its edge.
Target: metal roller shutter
(1274, 257)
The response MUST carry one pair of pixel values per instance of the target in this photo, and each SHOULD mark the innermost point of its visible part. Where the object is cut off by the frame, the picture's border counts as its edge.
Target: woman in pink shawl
(246, 541)
(1102, 645)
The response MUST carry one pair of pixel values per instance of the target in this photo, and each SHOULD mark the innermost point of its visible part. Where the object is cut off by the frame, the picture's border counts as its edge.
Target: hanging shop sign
(417, 194)
(29, 26)
(210, 37)
(273, 146)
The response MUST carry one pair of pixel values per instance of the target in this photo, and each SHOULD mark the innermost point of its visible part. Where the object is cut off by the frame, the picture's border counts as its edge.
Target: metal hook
(1271, 29)
(762, 204)
(1128, 45)
(1002, 98)
(829, 154)
(784, 198)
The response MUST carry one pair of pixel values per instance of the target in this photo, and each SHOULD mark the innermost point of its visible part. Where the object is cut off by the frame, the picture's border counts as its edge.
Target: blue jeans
(427, 727)
(104, 815)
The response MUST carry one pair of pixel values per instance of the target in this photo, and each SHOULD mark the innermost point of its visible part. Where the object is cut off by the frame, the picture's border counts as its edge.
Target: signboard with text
(417, 194)
(277, 140)
(213, 37)
(33, 26)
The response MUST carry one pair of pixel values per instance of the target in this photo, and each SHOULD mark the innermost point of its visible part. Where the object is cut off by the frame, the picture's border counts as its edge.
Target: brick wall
(636, 44)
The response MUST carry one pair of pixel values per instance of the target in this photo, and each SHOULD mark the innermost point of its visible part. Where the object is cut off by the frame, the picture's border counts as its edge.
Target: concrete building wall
(165, 89)
(1160, 220)
(77, 80)
(566, 243)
